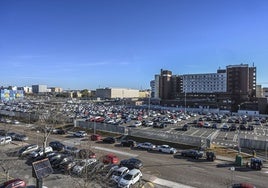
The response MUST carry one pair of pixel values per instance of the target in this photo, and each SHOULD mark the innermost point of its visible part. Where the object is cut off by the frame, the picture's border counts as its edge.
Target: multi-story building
(241, 81)
(39, 88)
(204, 83)
(112, 93)
(56, 89)
(265, 92)
(227, 88)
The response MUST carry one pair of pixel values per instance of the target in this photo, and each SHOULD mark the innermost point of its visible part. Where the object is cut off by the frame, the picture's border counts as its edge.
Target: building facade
(113, 93)
(204, 83)
(8, 95)
(39, 88)
(227, 88)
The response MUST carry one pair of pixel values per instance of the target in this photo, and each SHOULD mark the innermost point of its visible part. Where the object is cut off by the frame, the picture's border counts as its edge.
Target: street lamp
(185, 102)
(149, 102)
(232, 169)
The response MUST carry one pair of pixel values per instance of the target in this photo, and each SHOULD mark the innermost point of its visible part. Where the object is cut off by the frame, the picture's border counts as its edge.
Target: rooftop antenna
(253, 64)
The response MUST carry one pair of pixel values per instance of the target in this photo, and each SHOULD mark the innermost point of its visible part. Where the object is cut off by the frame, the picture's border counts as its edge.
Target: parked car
(21, 137)
(110, 159)
(71, 150)
(233, 127)
(131, 163)
(109, 140)
(95, 137)
(14, 183)
(40, 151)
(11, 134)
(27, 149)
(192, 153)
(5, 140)
(166, 149)
(225, 127)
(118, 173)
(185, 127)
(159, 125)
(128, 143)
(146, 145)
(211, 156)
(58, 131)
(130, 178)
(243, 185)
(56, 145)
(80, 134)
(207, 125)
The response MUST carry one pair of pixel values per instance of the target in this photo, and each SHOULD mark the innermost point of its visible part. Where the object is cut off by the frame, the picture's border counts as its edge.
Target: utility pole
(185, 102)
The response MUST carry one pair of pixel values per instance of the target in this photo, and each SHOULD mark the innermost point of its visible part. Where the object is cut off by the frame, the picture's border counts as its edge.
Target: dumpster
(239, 160)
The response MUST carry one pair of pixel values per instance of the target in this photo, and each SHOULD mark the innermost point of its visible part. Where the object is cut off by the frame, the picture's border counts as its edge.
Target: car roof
(134, 171)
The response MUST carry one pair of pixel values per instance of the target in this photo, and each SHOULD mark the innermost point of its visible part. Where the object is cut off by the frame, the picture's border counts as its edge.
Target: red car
(110, 159)
(95, 137)
(14, 183)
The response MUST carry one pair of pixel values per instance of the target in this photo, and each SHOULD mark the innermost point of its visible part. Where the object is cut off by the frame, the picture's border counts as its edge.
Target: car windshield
(128, 177)
(117, 173)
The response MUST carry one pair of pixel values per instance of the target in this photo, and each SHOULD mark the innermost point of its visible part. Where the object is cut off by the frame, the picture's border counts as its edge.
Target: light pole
(185, 102)
(149, 101)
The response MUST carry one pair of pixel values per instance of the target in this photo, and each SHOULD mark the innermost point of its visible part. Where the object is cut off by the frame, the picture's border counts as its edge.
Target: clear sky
(78, 44)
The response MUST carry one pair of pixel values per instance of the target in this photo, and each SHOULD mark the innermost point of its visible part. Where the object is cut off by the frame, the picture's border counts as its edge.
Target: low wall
(253, 144)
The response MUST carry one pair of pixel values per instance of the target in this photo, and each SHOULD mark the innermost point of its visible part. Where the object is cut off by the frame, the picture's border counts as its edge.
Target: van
(5, 140)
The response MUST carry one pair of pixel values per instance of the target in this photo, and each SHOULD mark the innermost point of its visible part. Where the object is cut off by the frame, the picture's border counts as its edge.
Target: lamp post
(185, 102)
(149, 102)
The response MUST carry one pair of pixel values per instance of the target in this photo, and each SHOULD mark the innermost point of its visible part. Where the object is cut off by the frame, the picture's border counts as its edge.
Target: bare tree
(49, 118)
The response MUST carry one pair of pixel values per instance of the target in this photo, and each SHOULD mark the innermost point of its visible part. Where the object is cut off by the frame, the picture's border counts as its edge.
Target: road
(164, 167)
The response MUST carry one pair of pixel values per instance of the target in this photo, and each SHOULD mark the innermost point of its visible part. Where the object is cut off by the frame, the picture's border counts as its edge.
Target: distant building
(56, 89)
(39, 88)
(113, 93)
(8, 95)
(144, 94)
(265, 92)
(228, 88)
(26, 89)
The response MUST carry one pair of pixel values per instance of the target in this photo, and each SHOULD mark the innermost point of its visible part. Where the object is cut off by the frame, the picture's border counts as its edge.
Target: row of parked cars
(7, 137)
(79, 162)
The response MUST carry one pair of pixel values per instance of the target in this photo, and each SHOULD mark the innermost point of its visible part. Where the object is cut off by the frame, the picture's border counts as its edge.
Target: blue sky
(77, 44)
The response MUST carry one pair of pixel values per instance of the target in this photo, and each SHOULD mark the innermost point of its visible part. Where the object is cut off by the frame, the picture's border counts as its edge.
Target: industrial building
(113, 93)
(39, 88)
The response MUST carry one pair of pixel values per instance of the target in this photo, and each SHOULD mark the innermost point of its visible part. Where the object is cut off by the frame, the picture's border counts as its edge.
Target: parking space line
(194, 132)
(235, 137)
(203, 133)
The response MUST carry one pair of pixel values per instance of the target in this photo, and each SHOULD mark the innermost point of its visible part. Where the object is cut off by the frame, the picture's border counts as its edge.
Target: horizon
(123, 44)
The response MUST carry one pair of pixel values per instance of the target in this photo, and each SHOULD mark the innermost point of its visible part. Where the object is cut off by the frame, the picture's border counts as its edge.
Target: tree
(49, 118)
(85, 93)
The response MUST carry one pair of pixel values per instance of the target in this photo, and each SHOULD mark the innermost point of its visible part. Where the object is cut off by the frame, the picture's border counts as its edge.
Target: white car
(5, 140)
(118, 173)
(166, 149)
(130, 178)
(80, 134)
(137, 124)
(146, 145)
(28, 149)
(41, 151)
(207, 125)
